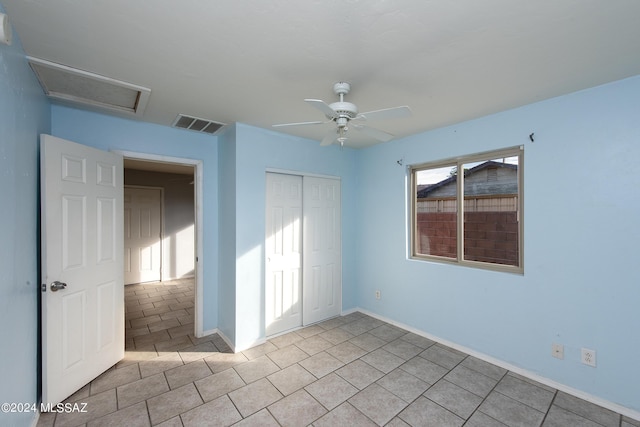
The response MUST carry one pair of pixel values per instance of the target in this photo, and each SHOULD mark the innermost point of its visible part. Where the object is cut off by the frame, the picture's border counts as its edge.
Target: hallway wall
(179, 219)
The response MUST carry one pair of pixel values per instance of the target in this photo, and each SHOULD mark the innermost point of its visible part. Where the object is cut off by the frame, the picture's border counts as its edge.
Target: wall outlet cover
(588, 357)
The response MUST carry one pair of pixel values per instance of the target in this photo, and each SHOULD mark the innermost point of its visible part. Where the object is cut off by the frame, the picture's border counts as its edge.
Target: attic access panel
(78, 86)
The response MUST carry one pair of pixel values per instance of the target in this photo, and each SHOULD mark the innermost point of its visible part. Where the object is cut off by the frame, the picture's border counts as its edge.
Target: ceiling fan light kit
(342, 112)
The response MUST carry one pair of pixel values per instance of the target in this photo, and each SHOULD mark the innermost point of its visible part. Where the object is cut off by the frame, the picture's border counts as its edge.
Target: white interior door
(283, 308)
(82, 242)
(322, 249)
(142, 234)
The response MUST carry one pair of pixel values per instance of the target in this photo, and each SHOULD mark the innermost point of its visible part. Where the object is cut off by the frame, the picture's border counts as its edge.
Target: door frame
(198, 173)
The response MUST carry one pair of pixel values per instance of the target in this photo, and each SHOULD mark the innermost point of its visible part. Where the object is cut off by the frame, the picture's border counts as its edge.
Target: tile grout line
(385, 335)
(485, 397)
(555, 394)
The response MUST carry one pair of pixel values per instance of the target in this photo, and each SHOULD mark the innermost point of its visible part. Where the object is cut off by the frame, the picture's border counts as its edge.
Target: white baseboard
(628, 412)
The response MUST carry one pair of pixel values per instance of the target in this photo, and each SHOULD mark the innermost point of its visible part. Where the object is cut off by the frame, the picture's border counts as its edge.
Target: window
(481, 229)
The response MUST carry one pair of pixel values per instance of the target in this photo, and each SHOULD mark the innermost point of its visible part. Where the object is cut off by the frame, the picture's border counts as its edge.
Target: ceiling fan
(342, 113)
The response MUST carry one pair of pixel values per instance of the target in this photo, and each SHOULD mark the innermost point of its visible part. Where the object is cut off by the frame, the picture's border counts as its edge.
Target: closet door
(283, 250)
(322, 273)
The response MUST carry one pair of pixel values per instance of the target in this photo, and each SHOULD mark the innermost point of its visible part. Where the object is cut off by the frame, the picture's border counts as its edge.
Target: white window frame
(459, 163)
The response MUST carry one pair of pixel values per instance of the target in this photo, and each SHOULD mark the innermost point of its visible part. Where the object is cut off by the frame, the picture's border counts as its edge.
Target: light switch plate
(5, 29)
(557, 351)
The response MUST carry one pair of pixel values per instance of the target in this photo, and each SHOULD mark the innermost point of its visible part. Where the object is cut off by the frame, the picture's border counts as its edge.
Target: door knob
(57, 286)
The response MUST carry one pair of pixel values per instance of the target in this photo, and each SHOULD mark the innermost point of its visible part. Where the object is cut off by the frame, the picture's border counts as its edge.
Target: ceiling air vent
(78, 86)
(196, 124)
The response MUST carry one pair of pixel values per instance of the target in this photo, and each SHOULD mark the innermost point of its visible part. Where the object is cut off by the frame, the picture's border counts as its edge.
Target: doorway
(182, 241)
(303, 265)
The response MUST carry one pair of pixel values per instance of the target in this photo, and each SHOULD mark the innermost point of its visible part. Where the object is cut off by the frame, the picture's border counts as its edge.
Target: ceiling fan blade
(298, 124)
(329, 139)
(374, 133)
(386, 113)
(322, 106)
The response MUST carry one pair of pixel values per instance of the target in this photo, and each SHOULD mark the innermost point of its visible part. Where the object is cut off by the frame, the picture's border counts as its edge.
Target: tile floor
(348, 371)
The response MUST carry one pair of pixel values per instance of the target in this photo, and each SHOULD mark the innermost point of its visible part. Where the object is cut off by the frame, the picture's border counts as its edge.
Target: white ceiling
(254, 61)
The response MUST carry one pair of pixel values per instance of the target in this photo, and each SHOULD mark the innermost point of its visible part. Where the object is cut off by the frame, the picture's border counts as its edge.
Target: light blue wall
(256, 151)
(24, 114)
(227, 237)
(581, 286)
(113, 133)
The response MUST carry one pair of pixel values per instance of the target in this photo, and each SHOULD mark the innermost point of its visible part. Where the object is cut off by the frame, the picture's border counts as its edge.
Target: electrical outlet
(588, 357)
(377, 294)
(557, 351)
